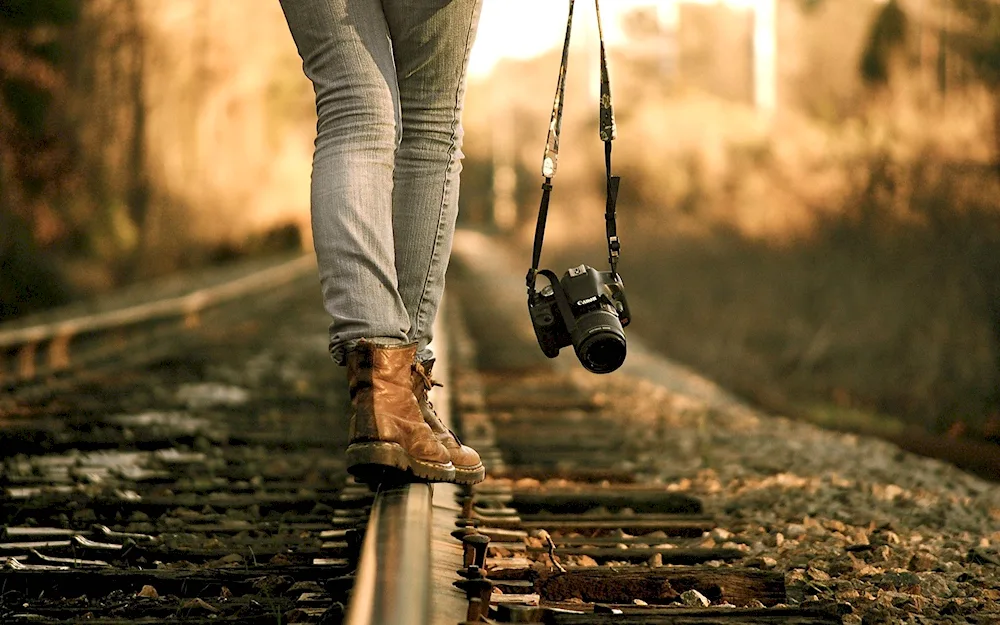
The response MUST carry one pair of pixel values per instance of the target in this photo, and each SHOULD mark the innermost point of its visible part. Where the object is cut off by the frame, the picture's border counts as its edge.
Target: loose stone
(694, 599)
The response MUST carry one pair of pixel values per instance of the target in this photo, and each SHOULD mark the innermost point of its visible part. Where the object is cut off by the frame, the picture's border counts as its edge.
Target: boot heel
(471, 475)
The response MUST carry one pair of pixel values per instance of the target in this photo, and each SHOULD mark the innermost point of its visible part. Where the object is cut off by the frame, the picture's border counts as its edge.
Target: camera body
(586, 309)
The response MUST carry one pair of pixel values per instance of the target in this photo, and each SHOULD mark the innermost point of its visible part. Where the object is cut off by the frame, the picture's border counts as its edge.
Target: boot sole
(469, 476)
(376, 463)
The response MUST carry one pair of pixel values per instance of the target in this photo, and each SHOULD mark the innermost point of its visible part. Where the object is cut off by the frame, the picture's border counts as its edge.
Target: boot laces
(428, 381)
(428, 384)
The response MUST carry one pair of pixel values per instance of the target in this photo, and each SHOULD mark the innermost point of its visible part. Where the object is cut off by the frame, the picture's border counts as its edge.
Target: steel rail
(58, 334)
(392, 584)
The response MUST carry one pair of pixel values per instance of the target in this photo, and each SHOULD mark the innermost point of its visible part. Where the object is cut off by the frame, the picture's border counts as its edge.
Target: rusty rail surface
(54, 338)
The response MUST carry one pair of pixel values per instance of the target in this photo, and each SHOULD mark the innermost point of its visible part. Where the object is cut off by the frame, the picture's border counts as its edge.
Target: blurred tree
(888, 34)
(137, 195)
(970, 31)
(968, 28)
(809, 5)
(975, 38)
(34, 153)
(973, 33)
(35, 157)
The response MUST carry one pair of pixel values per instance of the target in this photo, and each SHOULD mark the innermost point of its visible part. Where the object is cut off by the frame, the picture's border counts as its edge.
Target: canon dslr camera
(586, 309)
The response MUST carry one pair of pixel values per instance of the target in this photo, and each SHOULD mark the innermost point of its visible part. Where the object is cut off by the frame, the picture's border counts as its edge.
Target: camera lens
(603, 353)
(599, 341)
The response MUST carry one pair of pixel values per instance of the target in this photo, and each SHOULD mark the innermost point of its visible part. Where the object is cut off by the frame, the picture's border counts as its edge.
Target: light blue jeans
(389, 77)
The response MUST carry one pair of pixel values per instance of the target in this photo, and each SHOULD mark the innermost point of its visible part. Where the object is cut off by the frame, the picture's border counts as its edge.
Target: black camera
(586, 309)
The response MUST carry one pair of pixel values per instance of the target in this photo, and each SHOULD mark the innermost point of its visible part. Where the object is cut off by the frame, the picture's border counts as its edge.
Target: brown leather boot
(388, 433)
(468, 466)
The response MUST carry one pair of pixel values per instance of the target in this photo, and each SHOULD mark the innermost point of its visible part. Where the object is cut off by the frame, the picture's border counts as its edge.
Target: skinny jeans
(389, 79)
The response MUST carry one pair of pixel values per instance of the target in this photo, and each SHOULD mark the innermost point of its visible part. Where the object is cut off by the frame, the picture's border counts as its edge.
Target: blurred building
(766, 53)
(723, 47)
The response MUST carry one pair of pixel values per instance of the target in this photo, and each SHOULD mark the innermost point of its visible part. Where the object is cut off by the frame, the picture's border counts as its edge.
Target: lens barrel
(599, 341)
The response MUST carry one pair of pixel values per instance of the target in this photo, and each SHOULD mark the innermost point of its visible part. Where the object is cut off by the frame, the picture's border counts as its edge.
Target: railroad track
(569, 529)
(182, 466)
(177, 464)
(181, 460)
(194, 473)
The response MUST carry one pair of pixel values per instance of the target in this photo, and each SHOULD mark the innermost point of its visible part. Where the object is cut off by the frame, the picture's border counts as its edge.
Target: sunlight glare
(521, 29)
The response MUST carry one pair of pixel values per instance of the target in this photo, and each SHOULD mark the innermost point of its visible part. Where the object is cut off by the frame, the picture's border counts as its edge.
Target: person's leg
(346, 53)
(431, 40)
(345, 50)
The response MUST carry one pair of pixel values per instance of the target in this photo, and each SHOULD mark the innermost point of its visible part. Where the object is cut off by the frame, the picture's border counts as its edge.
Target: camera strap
(562, 300)
(550, 160)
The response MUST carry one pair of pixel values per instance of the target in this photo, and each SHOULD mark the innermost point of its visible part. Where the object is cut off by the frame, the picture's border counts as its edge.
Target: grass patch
(853, 420)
